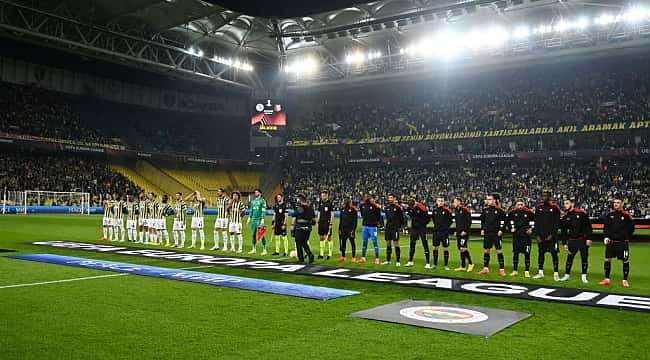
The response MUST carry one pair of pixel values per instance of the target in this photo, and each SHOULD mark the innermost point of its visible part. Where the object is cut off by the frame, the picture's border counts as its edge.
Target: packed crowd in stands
(29, 110)
(21, 171)
(550, 95)
(592, 185)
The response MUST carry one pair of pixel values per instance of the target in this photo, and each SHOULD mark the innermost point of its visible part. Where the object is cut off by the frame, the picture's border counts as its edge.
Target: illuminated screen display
(269, 116)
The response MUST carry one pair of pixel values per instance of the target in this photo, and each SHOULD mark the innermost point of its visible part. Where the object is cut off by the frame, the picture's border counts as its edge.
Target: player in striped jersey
(221, 224)
(161, 220)
(118, 218)
(107, 221)
(198, 205)
(180, 218)
(152, 208)
(236, 210)
(132, 219)
(142, 215)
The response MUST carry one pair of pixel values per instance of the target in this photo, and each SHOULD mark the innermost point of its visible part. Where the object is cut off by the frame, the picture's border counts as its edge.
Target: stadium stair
(154, 175)
(132, 175)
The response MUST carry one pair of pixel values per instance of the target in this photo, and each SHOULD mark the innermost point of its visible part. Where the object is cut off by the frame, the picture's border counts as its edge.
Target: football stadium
(410, 179)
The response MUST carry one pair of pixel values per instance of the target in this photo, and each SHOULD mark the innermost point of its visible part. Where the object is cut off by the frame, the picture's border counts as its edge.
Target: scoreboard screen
(269, 116)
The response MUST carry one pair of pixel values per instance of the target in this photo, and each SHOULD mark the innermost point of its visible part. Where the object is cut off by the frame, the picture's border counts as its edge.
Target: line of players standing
(146, 219)
(547, 224)
(146, 224)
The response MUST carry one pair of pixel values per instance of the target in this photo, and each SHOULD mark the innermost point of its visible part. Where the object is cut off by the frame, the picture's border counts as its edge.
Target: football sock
(608, 268)
(486, 259)
(569, 263)
(389, 252)
(527, 261)
(224, 236)
(626, 270)
(501, 260)
(445, 255)
(285, 239)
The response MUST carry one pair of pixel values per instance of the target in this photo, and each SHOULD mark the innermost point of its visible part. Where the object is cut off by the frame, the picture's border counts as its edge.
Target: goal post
(75, 202)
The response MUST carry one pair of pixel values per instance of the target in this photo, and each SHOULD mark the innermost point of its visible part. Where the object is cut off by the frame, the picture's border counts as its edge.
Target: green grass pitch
(135, 317)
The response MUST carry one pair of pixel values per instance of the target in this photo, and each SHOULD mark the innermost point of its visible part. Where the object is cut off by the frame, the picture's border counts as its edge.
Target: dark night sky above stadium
(284, 8)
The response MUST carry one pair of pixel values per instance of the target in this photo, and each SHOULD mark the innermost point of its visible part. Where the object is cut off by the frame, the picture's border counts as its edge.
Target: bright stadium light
(349, 58)
(521, 32)
(475, 40)
(634, 14)
(358, 58)
(582, 23)
(496, 36)
(402, 51)
(447, 44)
(199, 53)
(561, 26)
(604, 19)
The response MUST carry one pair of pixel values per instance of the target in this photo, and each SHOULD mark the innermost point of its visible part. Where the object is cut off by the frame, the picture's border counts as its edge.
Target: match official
(303, 221)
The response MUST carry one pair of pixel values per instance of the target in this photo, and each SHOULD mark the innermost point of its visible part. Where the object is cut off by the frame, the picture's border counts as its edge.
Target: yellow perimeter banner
(566, 129)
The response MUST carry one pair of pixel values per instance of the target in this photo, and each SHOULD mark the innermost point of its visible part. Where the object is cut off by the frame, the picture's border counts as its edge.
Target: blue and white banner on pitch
(268, 286)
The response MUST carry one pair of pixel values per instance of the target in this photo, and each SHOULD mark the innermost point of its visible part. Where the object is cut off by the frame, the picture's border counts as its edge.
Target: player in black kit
(325, 221)
(618, 229)
(347, 229)
(519, 220)
(463, 219)
(575, 228)
(442, 220)
(492, 225)
(547, 224)
(419, 219)
(394, 223)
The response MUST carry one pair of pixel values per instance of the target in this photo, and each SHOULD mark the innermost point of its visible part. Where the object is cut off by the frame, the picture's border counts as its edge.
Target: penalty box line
(86, 278)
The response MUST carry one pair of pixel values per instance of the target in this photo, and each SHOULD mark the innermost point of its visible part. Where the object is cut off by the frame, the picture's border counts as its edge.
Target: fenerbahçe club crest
(443, 314)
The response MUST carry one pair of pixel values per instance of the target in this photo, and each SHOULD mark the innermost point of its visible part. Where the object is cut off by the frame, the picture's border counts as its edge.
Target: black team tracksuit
(419, 219)
(395, 221)
(575, 231)
(618, 227)
(348, 229)
(463, 218)
(521, 242)
(442, 220)
(547, 224)
(304, 215)
(492, 221)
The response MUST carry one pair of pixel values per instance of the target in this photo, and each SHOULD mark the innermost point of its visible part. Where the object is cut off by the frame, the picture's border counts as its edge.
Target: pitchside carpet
(139, 317)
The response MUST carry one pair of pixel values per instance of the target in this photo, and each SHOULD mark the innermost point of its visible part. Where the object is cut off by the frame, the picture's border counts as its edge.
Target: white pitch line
(60, 281)
(86, 278)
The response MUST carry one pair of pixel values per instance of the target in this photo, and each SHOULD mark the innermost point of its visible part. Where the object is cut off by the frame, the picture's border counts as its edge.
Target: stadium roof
(206, 23)
(220, 31)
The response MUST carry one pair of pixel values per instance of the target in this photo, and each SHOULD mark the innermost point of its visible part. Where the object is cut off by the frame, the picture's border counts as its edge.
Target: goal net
(31, 201)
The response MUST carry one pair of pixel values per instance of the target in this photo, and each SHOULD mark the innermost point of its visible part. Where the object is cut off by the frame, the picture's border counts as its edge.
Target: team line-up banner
(566, 129)
(540, 292)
